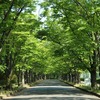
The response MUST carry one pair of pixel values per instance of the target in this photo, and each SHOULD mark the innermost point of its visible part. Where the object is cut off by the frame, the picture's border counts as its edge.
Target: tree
(82, 25)
(10, 11)
(10, 46)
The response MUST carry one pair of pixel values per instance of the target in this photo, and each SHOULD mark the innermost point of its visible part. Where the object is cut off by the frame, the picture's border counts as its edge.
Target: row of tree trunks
(28, 76)
(72, 77)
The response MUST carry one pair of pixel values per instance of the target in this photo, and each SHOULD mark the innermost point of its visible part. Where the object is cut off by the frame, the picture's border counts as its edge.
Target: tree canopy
(62, 41)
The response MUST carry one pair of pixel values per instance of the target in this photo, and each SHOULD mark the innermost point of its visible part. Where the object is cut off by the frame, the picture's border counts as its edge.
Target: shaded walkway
(53, 90)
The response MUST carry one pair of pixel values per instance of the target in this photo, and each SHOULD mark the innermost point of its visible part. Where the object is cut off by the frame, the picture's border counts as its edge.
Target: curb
(95, 94)
(88, 91)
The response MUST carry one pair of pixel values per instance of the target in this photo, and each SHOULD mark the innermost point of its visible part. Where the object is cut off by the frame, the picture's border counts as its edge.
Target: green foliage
(98, 81)
(75, 31)
(41, 34)
(65, 42)
(81, 79)
(2, 68)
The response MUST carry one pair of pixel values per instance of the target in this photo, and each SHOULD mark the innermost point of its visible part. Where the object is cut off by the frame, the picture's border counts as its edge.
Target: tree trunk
(26, 76)
(18, 79)
(18, 74)
(23, 80)
(93, 70)
(93, 76)
(31, 76)
(78, 77)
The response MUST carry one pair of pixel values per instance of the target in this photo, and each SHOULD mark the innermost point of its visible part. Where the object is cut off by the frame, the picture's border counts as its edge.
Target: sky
(39, 10)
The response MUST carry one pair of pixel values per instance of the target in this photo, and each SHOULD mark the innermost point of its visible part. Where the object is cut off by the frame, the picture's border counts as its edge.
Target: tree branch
(6, 33)
(8, 12)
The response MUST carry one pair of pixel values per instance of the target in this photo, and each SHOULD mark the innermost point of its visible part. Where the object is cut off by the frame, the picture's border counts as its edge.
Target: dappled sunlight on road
(52, 92)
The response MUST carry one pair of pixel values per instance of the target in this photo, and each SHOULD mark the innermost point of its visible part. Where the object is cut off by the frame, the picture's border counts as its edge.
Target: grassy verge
(16, 89)
(95, 91)
(88, 88)
(5, 93)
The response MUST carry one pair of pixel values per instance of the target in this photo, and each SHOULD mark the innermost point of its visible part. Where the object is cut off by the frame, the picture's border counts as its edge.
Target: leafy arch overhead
(61, 41)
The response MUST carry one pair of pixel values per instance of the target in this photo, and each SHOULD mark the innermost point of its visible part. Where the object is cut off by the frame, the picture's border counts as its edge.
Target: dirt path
(53, 90)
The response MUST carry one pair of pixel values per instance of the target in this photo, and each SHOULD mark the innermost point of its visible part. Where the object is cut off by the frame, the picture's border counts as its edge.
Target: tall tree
(83, 25)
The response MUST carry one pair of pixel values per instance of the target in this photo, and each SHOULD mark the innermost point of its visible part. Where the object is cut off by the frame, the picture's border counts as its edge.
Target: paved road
(52, 90)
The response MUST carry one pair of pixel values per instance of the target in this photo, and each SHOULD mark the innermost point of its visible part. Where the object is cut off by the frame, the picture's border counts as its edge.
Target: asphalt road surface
(52, 90)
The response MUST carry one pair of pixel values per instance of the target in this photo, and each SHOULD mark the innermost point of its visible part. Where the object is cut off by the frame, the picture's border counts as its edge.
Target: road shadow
(46, 90)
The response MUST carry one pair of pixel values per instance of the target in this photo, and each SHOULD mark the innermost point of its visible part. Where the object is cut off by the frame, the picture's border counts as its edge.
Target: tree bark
(93, 70)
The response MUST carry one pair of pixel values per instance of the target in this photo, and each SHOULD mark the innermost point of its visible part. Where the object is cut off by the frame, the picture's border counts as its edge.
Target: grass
(95, 90)
(83, 86)
(16, 88)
